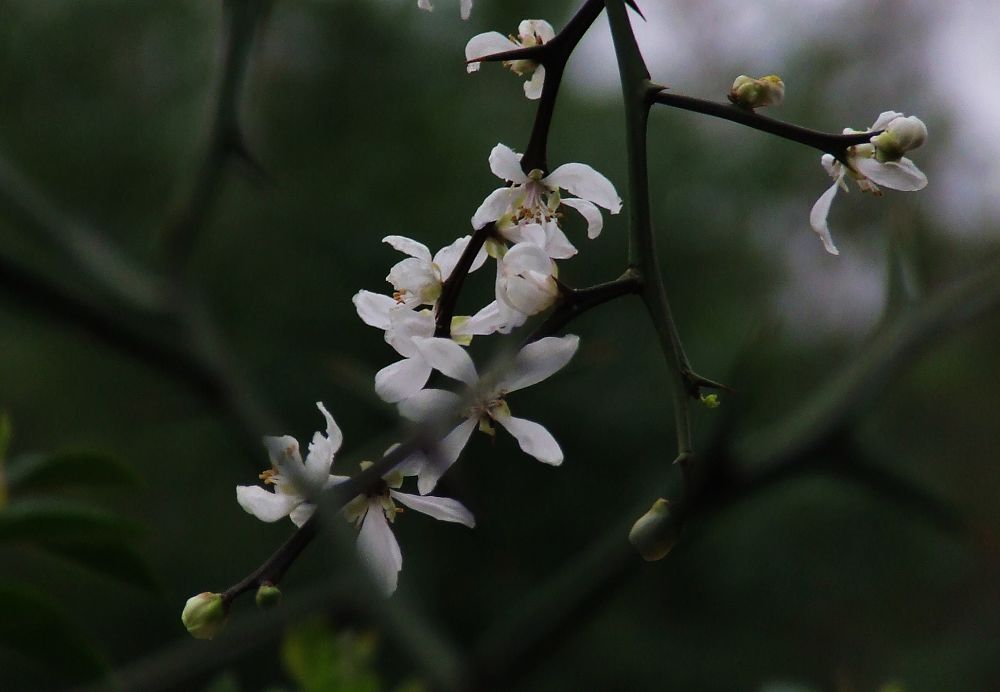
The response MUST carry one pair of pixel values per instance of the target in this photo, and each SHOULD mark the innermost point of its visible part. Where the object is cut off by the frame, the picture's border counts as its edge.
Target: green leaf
(48, 520)
(34, 472)
(116, 561)
(319, 660)
(36, 628)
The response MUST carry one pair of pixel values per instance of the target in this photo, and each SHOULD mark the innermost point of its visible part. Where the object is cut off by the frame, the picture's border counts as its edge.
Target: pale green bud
(749, 92)
(205, 615)
(900, 136)
(710, 400)
(268, 596)
(655, 532)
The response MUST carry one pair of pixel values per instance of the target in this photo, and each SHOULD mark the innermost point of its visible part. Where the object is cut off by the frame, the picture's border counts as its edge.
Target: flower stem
(452, 286)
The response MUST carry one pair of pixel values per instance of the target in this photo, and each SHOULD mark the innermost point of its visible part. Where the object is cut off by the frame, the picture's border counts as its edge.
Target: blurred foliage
(363, 117)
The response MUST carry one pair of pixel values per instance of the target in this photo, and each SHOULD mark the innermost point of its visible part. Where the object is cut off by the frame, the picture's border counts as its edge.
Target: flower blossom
(417, 280)
(526, 285)
(880, 162)
(530, 32)
(486, 401)
(534, 199)
(373, 512)
(466, 7)
(401, 325)
(293, 480)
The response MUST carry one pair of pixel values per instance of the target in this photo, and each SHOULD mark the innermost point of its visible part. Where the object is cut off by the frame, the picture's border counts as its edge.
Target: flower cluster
(530, 32)
(879, 162)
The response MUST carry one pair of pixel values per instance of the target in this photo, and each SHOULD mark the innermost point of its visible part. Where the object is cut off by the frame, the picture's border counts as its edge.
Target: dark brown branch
(452, 287)
(575, 302)
(833, 144)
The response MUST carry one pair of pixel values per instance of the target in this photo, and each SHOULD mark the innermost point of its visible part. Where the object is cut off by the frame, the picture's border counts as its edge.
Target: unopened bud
(710, 400)
(655, 532)
(901, 135)
(268, 596)
(749, 92)
(205, 615)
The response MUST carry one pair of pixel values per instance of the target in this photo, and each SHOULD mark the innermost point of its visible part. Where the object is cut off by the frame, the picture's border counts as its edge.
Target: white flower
(534, 198)
(530, 32)
(294, 481)
(372, 513)
(466, 7)
(868, 171)
(418, 278)
(406, 377)
(487, 405)
(526, 284)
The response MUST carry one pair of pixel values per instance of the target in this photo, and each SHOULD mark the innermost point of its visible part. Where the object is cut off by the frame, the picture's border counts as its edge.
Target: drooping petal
(533, 439)
(494, 206)
(506, 164)
(465, 8)
(402, 379)
(409, 247)
(444, 455)
(442, 508)
(595, 222)
(447, 357)
(264, 504)
(428, 404)
(533, 87)
(538, 361)
(817, 217)
(373, 308)
(903, 175)
(379, 551)
(481, 45)
(448, 256)
(557, 245)
(583, 181)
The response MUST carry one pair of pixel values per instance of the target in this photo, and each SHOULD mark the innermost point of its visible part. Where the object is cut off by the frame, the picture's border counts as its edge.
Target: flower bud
(205, 615)
(268, 596)
(655, 532)
(901, 135)
(748, 92)
(526, 282)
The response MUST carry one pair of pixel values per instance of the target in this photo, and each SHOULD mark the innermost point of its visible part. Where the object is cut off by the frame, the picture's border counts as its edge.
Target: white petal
(402, 379)
(414, 278)
(533, 439)
(557, 245)
(409, 247)
(537, 27)
(323, 448)
(903, 176)
(379, 551)
(485, 322)
(817, 217)
(425, 5)
(406, 324)
(539, 360)
(301, 514)
(883, 120)
(284, 451)
(481, 45)
(442, 508)
(428, 404)
(447, 357)
(595, 222)
(527, 257)
(583, 181)
(509, 318)
(465, 8)
(532, 233)
(533, 87)
(373, 308)
(447, 257)
(444, 455)
(494, 206)
(506, 164)
(264, 504)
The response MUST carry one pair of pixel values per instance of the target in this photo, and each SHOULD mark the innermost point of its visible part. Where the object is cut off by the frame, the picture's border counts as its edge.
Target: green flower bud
(268, 596)
(655, 532)
(205, 615)
(748, 92)
(710, 400)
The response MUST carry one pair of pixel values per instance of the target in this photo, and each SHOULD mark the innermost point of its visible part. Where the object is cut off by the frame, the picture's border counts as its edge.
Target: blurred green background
(366, 125)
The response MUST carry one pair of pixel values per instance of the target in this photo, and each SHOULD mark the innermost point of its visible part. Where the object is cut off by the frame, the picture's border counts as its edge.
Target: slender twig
(834, 144)
(452, 286)
(637, 92)
(575, 302)
(225, 137)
